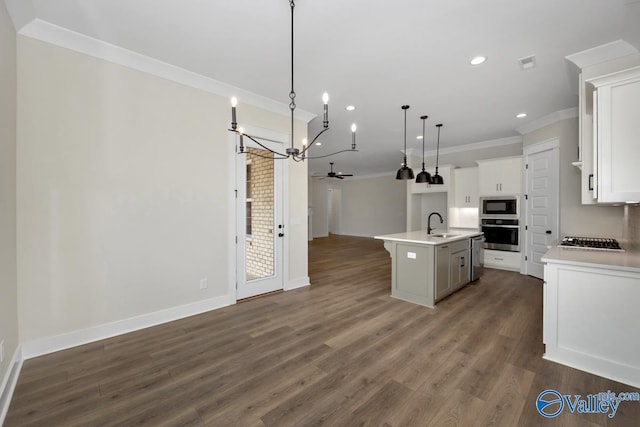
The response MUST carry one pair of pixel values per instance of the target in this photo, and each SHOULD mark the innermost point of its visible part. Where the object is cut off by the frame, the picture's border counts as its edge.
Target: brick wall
(259, 259)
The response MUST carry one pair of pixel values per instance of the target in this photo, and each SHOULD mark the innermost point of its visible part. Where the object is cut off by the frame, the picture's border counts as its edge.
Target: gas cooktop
(595, 243)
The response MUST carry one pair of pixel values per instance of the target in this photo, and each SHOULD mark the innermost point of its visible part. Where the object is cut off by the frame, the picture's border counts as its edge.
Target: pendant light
(405, 172)
(437, 179)
(423, 176)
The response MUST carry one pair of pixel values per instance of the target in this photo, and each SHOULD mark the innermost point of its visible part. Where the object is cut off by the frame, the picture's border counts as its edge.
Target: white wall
(576, 218)
(370, 205)
(124, 193)
(319, 203)
(8, 283)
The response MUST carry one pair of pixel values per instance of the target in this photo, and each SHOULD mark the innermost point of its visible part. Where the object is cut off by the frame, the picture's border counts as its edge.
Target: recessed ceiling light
(478, 60)
(350, 108)
(419, 137)
(521, 115)
(318, 143)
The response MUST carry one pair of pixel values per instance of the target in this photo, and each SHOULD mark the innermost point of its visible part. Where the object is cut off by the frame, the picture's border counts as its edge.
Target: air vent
(527, 62)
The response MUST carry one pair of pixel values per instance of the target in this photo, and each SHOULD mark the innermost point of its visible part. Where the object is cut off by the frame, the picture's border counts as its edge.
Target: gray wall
(576, 218)
(8, 283)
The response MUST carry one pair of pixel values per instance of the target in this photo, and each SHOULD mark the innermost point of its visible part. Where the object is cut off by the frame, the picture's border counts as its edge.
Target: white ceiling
(376, 55)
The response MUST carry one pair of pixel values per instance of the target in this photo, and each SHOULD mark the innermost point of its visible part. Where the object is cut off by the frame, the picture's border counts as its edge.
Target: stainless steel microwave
(499, 207)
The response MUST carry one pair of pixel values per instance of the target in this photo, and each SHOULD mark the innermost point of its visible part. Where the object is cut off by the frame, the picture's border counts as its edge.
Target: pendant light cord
(405, 108)
(424, 120)
(292, 94)
(438, 148)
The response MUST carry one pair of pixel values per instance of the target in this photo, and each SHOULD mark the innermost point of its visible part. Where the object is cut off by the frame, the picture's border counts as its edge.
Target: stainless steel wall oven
(499, 221)
(501, 234)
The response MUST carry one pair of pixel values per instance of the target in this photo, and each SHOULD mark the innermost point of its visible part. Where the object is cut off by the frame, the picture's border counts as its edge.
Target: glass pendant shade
(405, 172)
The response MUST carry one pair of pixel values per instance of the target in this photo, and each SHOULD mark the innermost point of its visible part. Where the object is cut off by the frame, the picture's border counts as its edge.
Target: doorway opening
(335, 211)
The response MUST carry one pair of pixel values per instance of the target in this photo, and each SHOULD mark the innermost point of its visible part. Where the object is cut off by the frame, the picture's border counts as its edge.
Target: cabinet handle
(498, 259)
(590, 182)
(500, 187)
(496, 187)
(462, 259)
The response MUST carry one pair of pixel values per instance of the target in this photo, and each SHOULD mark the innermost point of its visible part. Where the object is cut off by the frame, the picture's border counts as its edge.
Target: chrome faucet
(429, 229)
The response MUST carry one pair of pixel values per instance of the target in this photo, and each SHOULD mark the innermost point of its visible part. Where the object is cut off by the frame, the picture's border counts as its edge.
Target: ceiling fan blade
(338, 176)
(346, 174)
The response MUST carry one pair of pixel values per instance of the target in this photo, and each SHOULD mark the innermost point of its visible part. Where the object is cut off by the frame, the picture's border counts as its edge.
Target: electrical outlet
(1, 351)
(204, 283)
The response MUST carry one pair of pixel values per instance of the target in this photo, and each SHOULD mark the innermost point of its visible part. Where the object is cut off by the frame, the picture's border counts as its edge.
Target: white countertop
(629, 260)
(421, 236)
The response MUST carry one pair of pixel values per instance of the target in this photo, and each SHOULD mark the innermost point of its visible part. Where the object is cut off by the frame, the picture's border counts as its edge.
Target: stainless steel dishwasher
(477, 257)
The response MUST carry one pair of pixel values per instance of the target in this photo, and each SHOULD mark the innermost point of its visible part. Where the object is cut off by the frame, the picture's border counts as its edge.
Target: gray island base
(427, 268)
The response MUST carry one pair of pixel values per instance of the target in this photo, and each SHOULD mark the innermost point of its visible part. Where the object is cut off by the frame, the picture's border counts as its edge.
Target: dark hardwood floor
(338, 353)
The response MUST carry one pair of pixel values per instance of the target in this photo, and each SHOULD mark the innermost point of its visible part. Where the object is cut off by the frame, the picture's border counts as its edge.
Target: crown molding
(511, 140)
(550, 119)
(65, 38)
(602, 53)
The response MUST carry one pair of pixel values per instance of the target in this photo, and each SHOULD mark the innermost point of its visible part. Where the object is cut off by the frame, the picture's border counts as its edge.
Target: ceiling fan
(332, 174)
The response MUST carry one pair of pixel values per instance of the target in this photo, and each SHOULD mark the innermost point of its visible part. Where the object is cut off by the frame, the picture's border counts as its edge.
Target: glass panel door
(260, 215)
(260, 232)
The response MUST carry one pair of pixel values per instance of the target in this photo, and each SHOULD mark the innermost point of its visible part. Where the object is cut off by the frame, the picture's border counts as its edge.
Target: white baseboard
(297, 283)
(8, 384)
(47, 345)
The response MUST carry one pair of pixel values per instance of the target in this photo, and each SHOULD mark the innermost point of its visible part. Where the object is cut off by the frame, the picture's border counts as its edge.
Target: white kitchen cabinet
(591, 320)
(465, 187)
(500, 177)
(616, 126)
(502, 260)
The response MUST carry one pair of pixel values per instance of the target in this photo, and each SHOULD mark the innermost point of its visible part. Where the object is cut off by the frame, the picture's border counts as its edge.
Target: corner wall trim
(47, 345)
(8, 384)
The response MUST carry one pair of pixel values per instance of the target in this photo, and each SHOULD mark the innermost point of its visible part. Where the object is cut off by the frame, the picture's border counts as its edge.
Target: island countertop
(436, 238)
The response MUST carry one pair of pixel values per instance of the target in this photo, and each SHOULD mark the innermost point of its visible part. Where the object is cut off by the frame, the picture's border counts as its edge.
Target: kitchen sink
(443, 235)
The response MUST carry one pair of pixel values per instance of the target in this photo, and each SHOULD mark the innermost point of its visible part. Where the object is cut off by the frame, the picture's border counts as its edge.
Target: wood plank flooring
(338, 353)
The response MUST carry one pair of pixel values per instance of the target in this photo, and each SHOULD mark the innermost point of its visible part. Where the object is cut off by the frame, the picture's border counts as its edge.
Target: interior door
(541, 222)
(260, 228)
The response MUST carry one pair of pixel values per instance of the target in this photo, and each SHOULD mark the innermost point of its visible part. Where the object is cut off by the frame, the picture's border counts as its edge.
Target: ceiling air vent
(527, 62)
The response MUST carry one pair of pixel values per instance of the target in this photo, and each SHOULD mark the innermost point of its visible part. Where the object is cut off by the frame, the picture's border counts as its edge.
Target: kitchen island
(425, 268)
(591, 319)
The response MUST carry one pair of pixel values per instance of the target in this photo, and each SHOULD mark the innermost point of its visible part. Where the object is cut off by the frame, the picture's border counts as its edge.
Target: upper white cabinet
(616, 128)
(465, 187)
(498, 177)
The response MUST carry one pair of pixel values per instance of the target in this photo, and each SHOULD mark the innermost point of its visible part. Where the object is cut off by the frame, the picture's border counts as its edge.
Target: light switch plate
(411, 255)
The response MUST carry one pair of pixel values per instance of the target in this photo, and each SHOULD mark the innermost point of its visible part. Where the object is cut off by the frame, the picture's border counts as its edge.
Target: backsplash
(632, 223)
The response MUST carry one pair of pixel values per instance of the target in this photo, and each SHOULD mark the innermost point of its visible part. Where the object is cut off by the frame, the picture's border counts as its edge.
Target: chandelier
(291, 152)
